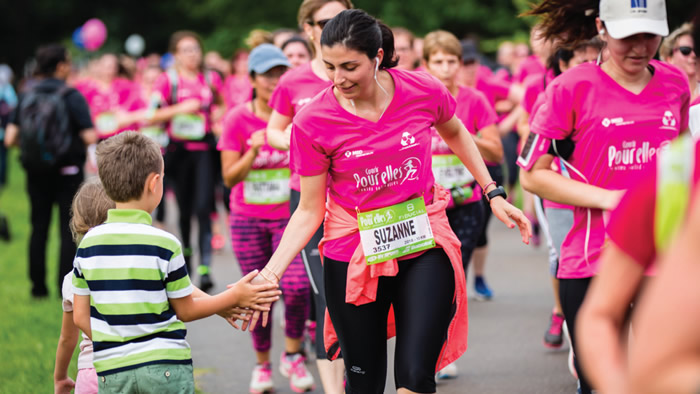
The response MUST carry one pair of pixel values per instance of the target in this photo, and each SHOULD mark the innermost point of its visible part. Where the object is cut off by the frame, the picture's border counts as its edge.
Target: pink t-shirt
(237, 90)
(474, 110)
(295, 89)
(631, 225)
(503, 74)
(239, 124)
(493, 88)
(617, 135)
(198, 88)
(120, 95)
(530, 66)
(372, 164)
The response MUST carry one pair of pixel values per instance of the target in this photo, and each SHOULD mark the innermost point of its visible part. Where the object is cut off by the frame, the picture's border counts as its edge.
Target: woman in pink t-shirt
(365, 142)
(606, 122)
(110, 94)
(237, 87)
(442, 53)
(295, 89)
(187, 96)
(259, 179)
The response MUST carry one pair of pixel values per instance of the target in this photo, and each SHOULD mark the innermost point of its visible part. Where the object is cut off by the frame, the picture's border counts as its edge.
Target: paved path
(505, 353)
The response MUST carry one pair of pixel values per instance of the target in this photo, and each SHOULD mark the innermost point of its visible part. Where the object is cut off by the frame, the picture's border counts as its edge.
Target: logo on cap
(639, 5)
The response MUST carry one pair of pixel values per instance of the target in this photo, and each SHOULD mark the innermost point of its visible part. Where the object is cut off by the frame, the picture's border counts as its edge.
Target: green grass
(29, 329)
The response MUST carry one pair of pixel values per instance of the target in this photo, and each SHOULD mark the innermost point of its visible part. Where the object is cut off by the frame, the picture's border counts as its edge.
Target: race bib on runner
(157, 134)
(106, 123)
(395, 231)
(188, 127)
(266, 187)
(449, 171)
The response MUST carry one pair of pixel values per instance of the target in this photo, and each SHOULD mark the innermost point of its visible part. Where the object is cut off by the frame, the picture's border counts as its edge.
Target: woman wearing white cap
(258, 176)
(607, 122)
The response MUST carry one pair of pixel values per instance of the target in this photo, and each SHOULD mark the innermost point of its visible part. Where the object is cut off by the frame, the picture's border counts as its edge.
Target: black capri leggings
(422, 295)
(572, 292)
(314, 269)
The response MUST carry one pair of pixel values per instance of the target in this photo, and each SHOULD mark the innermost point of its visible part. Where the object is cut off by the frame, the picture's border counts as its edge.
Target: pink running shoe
(261, 381)
(293, 367)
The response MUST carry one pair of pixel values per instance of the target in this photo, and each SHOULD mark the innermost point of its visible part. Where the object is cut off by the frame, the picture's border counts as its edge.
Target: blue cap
(265, 57)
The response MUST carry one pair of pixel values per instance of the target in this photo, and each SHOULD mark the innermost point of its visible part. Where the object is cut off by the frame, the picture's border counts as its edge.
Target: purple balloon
(94, 34)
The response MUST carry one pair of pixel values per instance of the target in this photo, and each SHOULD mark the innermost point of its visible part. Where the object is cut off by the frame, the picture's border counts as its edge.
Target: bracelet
(483, 189)
(273, 273)
(266, 278)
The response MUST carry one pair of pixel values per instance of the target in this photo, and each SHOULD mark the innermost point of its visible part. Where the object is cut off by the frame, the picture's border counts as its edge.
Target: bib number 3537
(395, 231)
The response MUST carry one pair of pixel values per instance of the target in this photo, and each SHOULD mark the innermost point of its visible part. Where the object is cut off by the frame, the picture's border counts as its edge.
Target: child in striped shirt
(132, 290)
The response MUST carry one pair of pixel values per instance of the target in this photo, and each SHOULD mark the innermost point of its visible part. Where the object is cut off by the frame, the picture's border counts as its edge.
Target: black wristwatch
(497, 192)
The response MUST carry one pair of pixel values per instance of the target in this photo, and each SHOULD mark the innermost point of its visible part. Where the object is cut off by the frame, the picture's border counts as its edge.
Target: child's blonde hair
(89, 208)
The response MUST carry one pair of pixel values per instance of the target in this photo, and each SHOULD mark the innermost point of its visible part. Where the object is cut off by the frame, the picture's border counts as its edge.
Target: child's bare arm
(243, 294)
(81, 313)
(66, 346)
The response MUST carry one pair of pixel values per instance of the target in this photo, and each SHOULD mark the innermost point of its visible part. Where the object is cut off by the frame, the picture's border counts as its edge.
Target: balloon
(94, 34)
(134, 45)
(78, 38)
(167, 61)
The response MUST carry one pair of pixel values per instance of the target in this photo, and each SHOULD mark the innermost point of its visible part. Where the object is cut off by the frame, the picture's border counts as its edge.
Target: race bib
(106, 123)
(395, 231)
(449, 171)
(157, 134)
(266, 187)
(188, 127)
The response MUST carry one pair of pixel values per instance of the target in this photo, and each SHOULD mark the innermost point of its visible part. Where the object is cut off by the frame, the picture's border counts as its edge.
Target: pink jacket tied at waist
(362, 280)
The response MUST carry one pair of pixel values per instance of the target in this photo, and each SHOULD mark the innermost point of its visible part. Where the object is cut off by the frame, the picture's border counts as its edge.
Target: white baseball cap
(624, 18)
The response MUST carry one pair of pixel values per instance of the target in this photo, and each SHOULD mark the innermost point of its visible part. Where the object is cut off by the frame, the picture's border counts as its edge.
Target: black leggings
(314, 269)
(193, 181)
(422, 295)
(571, 294)
(467, 222)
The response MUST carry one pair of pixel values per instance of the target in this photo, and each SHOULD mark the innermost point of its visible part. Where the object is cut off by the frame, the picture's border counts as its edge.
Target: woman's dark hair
(300, 40)
(565, 54)
(569, 22)
(696, 31)
(359, 31)
(179, 36)
(48, 57)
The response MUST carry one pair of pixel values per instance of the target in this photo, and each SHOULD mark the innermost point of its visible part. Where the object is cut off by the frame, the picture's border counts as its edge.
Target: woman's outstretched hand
(511, 216)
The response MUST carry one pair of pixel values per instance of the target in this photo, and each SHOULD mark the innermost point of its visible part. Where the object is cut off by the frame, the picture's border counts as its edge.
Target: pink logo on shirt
(375, 179)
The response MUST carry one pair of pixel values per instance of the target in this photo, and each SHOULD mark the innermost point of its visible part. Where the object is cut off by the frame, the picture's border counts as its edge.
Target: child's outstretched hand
(256, 296)
(63, 386)
(233, 314)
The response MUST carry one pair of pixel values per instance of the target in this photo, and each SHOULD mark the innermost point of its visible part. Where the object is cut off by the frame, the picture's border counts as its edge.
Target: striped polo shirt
(130, 269)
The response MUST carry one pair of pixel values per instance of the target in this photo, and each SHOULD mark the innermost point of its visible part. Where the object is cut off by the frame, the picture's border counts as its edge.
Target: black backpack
(44, 122)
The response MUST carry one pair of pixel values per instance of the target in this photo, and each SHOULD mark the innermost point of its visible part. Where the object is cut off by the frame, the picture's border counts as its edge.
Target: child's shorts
(86, 381)
(155, 379)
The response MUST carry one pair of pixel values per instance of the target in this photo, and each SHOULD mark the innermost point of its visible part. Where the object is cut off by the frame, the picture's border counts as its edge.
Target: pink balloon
(94, 34)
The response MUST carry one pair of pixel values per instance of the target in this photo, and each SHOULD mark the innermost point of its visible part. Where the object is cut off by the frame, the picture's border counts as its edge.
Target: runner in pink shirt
(259, 179)
(371, 133)
(237, 87)
(186, 96)
(442, 53)
(555, 219)
(110, 94)
(294, 91)
(615, 117)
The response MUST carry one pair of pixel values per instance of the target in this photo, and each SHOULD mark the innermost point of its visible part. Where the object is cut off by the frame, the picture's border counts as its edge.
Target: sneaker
(217, 242)
(482, 290)
(449, 372)
(553, 337)
(261, 381)
(205, 283)
(293, 367)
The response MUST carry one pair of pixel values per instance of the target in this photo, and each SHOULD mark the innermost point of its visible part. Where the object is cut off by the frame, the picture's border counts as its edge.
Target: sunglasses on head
(684, 50)
(320, 23)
